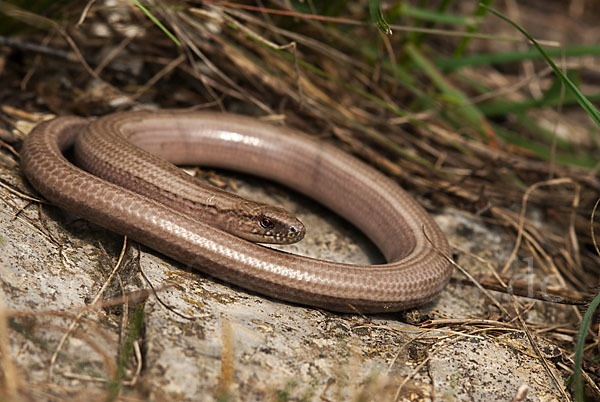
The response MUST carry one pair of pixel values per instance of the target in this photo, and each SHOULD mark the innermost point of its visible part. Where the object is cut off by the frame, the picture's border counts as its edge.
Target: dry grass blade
(488, 140)
(94, 301)
(526, 196)
(10, 379)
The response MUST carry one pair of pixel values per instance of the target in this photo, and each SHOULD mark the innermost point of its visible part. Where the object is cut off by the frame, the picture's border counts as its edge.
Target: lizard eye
(266, 223)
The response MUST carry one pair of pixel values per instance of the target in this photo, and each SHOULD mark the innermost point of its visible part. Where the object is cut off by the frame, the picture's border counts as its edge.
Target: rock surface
(217, 341)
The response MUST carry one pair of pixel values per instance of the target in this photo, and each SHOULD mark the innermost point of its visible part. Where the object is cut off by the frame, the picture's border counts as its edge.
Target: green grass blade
(157, 22)
(461, 108)
(585, 323)
(437, 17)
(544, 151)
(479, 14)
(134, 332)
(377, 17)
(486, 59)
(502, 107)
(581, 99)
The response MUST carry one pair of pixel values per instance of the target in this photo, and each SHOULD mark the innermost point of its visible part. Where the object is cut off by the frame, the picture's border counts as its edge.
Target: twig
(160, 301)
(531, 189)
(76, 321)
(539, 354)
(37, 48)
(468, 275)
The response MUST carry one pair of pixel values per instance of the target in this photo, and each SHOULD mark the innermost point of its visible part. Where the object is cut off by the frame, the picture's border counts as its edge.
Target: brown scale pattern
(415, 273)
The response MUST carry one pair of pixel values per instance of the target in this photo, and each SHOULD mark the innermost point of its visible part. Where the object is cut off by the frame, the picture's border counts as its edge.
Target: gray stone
(236, 342)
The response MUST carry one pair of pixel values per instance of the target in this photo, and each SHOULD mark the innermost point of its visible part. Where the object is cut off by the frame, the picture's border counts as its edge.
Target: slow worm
(409, 239)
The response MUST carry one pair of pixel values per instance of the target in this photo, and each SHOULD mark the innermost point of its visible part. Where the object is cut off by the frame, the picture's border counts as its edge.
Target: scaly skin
(417, 269)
